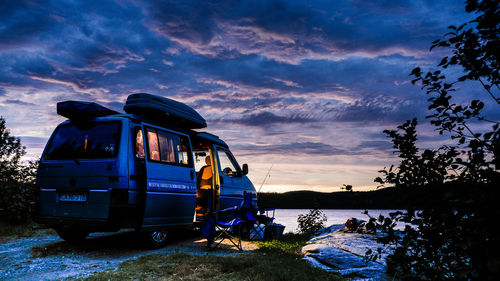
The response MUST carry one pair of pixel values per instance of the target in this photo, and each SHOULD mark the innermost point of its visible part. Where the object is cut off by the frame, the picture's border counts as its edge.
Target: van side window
(154, 151)
(139, 144)
(183, 150)
(168, 148)
(226, 163)
(167, 153)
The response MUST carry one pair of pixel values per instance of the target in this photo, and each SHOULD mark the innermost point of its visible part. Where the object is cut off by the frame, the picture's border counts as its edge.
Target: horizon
(305, 87)
(340, 190)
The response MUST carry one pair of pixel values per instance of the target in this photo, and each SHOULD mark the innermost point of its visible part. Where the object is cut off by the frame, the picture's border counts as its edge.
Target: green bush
(311, 222)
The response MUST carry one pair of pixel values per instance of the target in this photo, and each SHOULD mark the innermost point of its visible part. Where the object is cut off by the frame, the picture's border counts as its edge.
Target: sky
(304, 86)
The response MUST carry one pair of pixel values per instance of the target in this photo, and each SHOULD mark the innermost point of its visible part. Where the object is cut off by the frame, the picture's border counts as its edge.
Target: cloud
(305, 78)
(34, 142)
(266, 118)
(102, 54)
(292, 31)
(376, 146)
(23, 22)
(287, 82)
(294, 148)
(76, 86)
(18, 102)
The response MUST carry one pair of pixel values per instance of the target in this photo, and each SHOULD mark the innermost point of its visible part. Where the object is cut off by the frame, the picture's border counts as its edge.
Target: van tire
(156, 238)
(72, 235)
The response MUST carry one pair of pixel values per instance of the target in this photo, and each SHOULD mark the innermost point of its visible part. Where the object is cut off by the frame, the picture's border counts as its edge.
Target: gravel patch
(48, 257)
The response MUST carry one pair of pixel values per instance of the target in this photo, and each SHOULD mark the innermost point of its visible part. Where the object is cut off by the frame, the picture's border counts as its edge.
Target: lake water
(288, 217)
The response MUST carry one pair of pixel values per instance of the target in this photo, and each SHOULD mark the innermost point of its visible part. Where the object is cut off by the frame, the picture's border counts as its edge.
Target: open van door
(232, 182)
(170, 193)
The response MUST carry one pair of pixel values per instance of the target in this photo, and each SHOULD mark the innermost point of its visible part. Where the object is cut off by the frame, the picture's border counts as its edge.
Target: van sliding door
(170, 179)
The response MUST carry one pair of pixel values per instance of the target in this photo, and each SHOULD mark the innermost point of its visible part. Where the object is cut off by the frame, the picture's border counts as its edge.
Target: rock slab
(342, 252)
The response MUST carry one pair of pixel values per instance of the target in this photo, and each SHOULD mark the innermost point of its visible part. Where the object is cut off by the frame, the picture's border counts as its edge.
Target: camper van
(149, 169)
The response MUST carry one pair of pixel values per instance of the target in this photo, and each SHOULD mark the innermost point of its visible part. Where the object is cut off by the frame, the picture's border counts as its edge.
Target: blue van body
(92, 176)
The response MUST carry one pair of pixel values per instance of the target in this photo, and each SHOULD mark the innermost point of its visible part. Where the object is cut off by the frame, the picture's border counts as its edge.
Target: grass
(290, 243)
(9, 232)
(274, 260)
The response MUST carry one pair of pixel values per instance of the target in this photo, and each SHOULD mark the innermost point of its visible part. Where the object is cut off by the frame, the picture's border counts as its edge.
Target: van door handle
(192, 175)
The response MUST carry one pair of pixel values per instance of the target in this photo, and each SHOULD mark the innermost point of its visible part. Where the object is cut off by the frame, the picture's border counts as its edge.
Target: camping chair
(252, 222)
(217, 231)
(248, 213)
(240, 220)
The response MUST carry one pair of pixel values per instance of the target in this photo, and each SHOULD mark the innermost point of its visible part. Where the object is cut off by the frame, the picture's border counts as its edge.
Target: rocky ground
(343, 252)
(48, 257)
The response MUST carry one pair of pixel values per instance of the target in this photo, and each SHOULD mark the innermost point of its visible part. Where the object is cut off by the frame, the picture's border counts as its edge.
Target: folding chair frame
(225, 234)
(243, 215)
(223, 229)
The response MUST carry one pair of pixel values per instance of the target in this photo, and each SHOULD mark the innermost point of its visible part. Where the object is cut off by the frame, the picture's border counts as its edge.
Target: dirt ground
(48, 257)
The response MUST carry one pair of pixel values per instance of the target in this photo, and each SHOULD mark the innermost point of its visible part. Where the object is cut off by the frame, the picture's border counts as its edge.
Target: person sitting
(204, 179)
(204, 176)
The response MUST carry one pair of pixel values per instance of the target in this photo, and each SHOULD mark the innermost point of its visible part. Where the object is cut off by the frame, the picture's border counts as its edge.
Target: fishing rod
(267, 175)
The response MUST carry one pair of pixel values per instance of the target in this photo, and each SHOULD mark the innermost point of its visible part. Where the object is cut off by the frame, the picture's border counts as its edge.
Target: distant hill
(385, 198)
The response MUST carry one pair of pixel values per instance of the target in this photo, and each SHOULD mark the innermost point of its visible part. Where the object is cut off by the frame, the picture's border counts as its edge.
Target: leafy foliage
(311, 222)
(11, 152)
(453, 237)
(17, 180)
(430, 167)
(474, 47)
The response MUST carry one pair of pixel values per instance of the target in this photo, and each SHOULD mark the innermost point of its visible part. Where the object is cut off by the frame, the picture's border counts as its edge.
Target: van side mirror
(244, 169)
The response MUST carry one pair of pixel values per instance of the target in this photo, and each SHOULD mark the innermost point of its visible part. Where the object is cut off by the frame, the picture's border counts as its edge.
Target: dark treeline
(385, 198)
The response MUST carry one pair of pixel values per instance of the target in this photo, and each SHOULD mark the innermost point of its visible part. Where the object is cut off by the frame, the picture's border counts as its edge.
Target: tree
(452, 237)
(11, 152)
(474, 47)
(430, 167)
(16, 179)
(347, 187)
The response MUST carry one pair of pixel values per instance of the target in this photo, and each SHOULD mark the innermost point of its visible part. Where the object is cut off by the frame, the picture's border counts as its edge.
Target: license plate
(72, 197)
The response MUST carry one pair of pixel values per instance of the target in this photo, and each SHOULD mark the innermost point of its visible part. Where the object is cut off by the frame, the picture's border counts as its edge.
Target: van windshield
(91, 141)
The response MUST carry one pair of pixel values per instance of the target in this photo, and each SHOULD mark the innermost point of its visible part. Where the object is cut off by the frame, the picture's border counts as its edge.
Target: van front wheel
(72, 236)
(155, 239)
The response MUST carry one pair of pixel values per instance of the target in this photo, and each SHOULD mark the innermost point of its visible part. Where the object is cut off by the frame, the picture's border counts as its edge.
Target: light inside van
(139, 144)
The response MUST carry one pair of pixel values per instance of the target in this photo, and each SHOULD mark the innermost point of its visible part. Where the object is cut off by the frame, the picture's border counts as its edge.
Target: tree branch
(489, 92)
(486, 120)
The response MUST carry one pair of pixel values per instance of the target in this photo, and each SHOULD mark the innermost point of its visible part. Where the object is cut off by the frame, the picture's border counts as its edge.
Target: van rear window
(91, 141)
